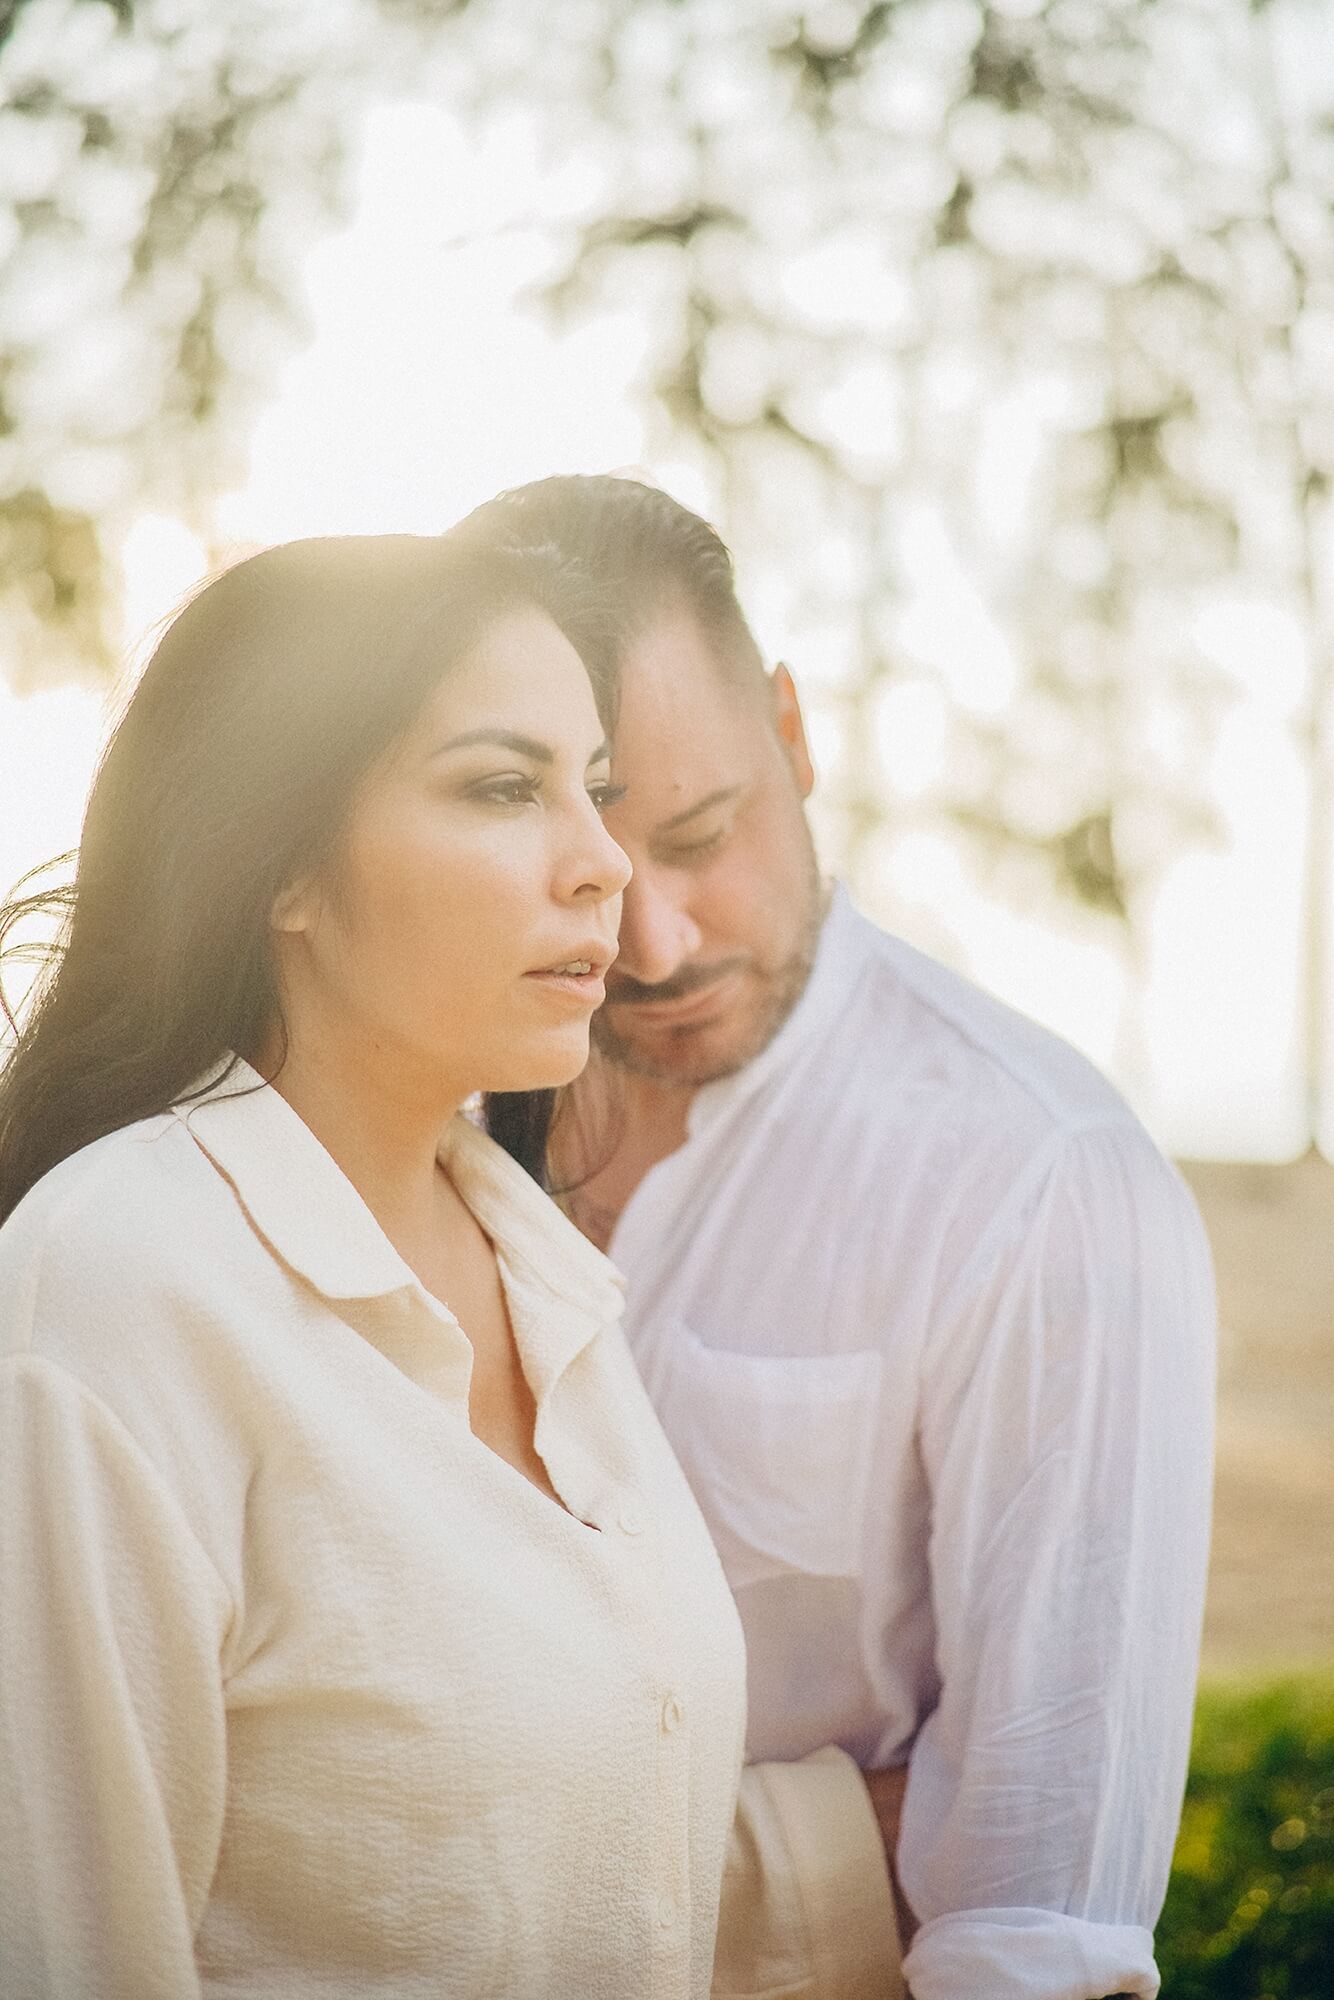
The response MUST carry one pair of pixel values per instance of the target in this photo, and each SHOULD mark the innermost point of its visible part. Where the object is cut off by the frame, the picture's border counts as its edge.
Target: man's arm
(1066, 1428)
(807, 1908)
(886, 1789)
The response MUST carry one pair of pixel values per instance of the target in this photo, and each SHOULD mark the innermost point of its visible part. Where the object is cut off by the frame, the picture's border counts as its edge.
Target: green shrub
(1250, 1909)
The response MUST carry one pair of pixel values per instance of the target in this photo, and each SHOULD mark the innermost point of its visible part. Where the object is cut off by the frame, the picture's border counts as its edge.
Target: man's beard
(771, 998)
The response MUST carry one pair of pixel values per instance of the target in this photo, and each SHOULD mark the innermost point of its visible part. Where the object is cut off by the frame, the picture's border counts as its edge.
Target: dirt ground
(1271, 1587)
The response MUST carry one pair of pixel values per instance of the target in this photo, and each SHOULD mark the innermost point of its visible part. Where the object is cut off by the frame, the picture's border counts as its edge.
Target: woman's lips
(588, 987)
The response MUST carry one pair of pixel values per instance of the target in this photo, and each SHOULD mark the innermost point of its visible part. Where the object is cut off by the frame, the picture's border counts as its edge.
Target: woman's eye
(604, 797)
(514, 790)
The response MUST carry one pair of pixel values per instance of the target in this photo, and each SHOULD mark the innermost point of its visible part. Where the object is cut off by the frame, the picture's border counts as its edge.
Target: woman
(359, 1633)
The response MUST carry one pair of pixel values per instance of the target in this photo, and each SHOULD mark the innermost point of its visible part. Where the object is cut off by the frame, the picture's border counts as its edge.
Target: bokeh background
(998, 337)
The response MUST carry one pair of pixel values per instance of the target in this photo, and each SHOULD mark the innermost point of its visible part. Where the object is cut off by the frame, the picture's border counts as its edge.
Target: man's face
(720, 920)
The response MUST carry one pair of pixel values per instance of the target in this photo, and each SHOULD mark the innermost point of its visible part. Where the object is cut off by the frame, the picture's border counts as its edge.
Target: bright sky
(424, 390)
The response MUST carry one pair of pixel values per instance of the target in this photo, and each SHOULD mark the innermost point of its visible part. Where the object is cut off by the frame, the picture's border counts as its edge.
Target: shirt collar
(308, 1211)
(839, 955)
(541, 1248)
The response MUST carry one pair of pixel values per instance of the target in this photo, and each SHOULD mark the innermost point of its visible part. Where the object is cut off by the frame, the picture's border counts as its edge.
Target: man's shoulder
(920, 1028)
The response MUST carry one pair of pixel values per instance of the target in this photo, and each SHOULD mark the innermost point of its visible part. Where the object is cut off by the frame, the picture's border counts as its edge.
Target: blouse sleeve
(112, 1758)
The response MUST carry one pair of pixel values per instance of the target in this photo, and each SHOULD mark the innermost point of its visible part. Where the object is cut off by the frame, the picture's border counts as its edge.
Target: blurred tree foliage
(1005, 329)
(162, 168)
(1250, 1911)
(1027, 306)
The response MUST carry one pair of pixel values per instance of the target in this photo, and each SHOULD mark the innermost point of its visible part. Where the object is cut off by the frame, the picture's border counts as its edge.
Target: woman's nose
(597, 867)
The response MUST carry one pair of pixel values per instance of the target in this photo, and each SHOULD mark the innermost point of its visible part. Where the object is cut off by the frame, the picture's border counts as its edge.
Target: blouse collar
(307, 1210)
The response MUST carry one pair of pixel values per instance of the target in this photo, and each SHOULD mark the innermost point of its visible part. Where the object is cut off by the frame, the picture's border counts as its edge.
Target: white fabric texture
(930, 1324)
(303, 1690)
(807, 1911)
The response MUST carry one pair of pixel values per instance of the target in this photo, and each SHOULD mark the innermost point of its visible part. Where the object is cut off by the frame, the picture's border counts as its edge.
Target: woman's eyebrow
(525, 746)
(504, 739)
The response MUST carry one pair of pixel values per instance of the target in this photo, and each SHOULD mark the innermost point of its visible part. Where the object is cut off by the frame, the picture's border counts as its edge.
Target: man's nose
(658, 934)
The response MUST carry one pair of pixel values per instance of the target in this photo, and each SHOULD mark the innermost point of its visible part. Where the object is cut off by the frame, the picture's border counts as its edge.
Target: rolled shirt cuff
(1017, 1954)
(808, 1908)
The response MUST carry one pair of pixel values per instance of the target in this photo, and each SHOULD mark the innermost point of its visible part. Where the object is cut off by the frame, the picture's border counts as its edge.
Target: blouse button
(631, 1519)
(666, 1912)
(672, 1712)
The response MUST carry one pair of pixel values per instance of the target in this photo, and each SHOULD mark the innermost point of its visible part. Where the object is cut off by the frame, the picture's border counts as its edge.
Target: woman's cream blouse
(303, 1690)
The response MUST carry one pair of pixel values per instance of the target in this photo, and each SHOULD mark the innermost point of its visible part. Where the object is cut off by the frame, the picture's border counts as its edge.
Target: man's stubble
(774, 994)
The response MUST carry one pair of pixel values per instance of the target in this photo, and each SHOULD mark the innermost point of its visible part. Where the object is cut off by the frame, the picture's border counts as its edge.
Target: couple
(360, 1632)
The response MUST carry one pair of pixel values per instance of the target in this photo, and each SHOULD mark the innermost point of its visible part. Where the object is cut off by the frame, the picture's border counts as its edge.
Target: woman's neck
(376, 1114)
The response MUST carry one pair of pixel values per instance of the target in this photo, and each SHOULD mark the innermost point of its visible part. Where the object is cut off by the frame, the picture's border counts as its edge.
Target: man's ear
(791, 729)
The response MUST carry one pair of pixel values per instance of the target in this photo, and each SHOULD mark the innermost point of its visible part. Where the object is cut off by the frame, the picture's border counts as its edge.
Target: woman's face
(464, 925)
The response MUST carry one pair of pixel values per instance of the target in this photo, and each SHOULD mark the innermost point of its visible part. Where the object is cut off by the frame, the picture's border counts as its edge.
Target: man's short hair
(647, 555)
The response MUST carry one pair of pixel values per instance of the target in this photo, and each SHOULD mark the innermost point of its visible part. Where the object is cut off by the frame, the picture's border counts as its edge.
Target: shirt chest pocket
(778, 1450)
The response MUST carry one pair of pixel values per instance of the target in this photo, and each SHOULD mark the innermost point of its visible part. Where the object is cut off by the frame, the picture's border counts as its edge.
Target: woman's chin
(545, 1068)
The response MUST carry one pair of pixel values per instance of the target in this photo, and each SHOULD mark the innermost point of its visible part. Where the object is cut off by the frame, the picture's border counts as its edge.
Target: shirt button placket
(673, 1833)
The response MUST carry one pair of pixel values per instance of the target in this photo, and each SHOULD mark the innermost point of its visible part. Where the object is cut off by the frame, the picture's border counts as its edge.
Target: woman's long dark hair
(230, 774)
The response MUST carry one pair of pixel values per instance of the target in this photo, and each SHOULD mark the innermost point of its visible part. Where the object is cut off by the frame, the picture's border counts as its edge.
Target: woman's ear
(791, 729)
(294, 908)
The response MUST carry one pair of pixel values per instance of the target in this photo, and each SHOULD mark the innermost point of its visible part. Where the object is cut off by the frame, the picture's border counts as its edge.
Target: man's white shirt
(930, 1324)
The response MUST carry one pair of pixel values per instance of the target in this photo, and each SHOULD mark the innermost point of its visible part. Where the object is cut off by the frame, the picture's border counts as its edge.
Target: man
(929, 1323)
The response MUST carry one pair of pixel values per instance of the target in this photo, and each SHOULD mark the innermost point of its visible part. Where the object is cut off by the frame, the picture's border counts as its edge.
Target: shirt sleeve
(807, 1910)
(112, 1760)
(1066, 1436)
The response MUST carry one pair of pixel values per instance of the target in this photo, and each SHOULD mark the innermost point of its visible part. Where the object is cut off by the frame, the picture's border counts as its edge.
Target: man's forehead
(672, 651)
(683, 737)
(671, 780)
(675, 681)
